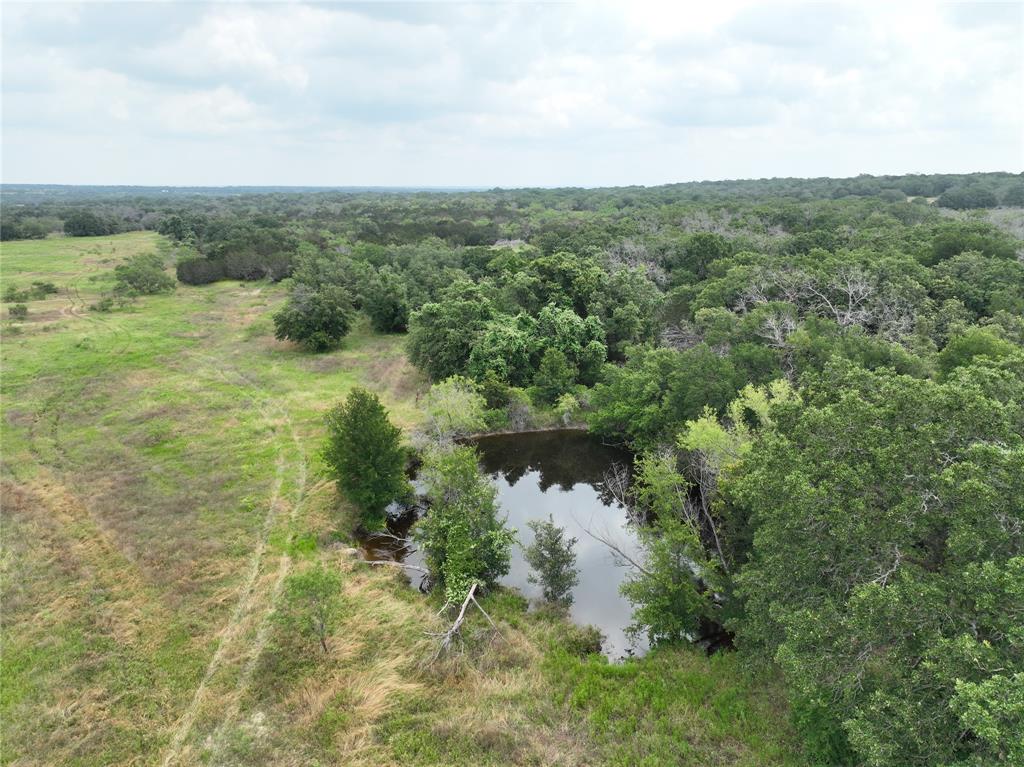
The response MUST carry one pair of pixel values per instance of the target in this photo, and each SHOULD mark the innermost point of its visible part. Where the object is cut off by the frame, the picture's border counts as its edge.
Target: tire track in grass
(248, 610)
(234, 625)
(219, 739)
(51, 407)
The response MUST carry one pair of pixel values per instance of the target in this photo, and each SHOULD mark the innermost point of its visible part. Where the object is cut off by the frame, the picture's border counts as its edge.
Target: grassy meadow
(161, 479)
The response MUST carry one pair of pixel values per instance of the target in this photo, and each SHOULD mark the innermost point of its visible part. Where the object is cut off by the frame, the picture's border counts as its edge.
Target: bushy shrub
(13, 294)
(464, 539)
(310, 605)
(316, 319)
(85, 223)
(967, 197)
(454, 408)
(143, 275)
(200, 271)
(255, 266)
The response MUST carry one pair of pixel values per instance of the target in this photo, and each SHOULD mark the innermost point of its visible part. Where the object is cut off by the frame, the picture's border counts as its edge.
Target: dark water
(557, 473)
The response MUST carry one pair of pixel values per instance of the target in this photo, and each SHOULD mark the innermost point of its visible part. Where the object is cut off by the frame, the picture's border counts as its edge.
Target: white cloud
(506, 94)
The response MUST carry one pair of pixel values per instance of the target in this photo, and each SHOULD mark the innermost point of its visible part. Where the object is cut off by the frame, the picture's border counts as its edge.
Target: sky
(506, 94)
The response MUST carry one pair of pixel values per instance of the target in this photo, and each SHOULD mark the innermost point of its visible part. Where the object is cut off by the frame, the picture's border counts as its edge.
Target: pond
(561, 474)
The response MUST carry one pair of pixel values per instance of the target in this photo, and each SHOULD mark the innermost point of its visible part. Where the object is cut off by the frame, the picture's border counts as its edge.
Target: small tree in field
(317, 319)
(311, 604)
(143, 275)
(553, 560)
(365, 452)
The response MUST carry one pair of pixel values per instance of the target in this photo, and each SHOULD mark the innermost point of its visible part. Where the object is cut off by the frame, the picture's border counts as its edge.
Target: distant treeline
(403, 215)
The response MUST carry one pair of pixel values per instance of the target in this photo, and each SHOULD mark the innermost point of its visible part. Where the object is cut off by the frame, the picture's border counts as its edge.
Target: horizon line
(483, 187)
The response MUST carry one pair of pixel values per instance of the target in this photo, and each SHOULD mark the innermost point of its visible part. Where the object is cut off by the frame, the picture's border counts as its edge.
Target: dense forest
(822, 381)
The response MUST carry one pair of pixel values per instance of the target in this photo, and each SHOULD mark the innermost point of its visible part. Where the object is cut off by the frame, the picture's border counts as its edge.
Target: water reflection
(561, 474)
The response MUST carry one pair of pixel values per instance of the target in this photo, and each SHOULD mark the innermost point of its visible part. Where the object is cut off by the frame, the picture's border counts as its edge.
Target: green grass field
(161, 478)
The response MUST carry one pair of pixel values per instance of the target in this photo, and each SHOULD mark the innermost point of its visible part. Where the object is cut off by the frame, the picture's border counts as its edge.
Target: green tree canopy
(386, 301)
(365, 454)
(315, 318)
(886, 567)
(463, 538)
(442, 334)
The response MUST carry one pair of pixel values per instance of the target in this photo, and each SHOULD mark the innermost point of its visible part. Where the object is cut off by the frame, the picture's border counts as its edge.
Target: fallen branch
(448, 637)
(390, 563)
(488, 617)
(391, 536)
(616, 550)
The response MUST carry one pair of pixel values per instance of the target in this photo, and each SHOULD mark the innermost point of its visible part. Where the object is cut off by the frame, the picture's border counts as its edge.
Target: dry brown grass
(381, 666)
(65, 575)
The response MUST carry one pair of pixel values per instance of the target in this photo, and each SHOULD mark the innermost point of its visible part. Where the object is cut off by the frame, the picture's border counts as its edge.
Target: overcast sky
(510, 94)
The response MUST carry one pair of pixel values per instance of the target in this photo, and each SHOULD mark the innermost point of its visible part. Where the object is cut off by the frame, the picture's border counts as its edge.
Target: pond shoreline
(545, 473)
(538, 430)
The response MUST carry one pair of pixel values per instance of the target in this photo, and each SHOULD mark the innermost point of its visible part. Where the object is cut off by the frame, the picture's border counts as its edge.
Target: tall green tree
(505, 348)
(366, 456)
(442, 333)
(554, 377)
(386, 301)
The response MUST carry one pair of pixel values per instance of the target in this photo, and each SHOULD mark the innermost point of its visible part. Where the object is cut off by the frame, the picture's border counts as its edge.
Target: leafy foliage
(966, 197)
(462, 536)
(86, 223)
(658, 390)
(553, 561)
(365, 454)
(670, 588)
(554, 376)
(454, 408)
(143, 275)
(311, 604)
(880, 585)
(316, 319)
(441, 335)
(822, 379)
(38, 290)
(387, 302)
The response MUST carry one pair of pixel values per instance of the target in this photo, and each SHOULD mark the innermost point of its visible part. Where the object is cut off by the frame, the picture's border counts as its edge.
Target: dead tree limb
(616, 550)
(392, 537)
(391, 563)
(448, 637)
(616, 481)
(488, 617)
